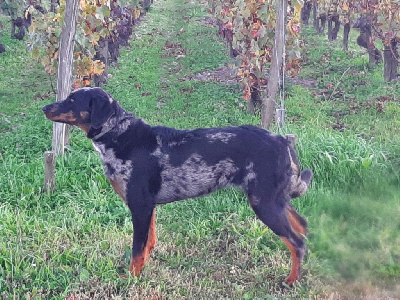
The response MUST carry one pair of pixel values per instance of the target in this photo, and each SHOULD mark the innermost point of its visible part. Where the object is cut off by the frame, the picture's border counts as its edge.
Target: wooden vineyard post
(390, 61)
(65, 66)
(280, 118)
(268, 96)
(49, 171)
(64, 84)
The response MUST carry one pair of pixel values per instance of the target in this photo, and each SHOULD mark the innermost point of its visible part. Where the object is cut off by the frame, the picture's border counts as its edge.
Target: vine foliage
(376, 20)
(102, 27)
(249, 28)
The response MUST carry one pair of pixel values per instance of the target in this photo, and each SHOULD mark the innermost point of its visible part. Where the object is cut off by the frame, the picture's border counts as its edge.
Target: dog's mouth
(51, 112)
(68, 118)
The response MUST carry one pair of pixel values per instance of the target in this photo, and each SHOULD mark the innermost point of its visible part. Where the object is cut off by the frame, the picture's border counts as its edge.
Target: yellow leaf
(98, 67)
(298, 5)
(35, 52)
(96, 37)
(136, 13)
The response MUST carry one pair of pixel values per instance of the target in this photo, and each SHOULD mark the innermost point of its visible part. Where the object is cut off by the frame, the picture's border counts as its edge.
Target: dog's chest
(118, 171)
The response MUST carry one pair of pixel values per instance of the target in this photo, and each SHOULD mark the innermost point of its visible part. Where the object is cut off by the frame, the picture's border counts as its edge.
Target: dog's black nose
(45, 108)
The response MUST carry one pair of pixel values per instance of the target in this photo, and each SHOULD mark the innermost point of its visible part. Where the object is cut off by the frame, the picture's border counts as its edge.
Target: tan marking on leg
(152, 237)
(138, 263)
(295, 223)
(296, 264)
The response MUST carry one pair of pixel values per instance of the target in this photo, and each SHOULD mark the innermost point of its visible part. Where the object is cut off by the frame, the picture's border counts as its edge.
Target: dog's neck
(120, 119)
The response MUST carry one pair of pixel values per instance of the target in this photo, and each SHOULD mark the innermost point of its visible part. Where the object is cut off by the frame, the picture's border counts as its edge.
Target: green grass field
(73, 244)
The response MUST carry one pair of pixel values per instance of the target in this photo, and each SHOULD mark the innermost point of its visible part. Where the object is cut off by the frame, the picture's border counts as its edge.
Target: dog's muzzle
(47, 108)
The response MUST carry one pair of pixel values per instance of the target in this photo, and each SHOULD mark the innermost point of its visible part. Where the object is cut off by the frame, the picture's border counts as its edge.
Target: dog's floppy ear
(101, 108)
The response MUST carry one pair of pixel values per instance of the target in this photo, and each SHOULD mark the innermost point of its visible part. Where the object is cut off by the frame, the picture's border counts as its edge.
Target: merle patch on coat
(149, 165)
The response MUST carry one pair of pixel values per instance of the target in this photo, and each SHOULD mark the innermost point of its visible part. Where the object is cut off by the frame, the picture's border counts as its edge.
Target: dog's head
(87, 108)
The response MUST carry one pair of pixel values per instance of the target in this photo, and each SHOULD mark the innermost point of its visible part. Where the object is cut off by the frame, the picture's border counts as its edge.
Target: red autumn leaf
(228, 25)
(254, 33)
(246, 95)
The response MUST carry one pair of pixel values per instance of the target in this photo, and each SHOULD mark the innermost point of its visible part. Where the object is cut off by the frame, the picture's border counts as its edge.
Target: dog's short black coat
(149, 165)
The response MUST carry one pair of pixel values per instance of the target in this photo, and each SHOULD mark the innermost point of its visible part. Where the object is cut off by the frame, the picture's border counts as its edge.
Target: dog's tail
(299, 181)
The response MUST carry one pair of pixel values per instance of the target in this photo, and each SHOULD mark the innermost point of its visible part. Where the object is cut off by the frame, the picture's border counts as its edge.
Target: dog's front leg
(144, 236)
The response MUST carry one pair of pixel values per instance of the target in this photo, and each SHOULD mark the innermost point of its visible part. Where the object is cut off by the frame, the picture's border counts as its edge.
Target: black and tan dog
(149, 165)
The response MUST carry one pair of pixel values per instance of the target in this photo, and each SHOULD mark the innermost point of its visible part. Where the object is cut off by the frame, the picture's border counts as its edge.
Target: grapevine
(103, 26)
(249, 27)
(376, 20)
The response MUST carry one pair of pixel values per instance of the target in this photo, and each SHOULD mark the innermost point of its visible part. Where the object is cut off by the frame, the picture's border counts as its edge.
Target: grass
(73, 243)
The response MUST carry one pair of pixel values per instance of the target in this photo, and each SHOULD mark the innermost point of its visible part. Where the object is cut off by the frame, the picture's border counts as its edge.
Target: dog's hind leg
(290, 227)
(297, 222)
(295, 243)
(152, 236)
(144, 237)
